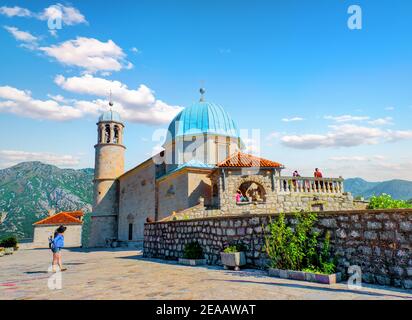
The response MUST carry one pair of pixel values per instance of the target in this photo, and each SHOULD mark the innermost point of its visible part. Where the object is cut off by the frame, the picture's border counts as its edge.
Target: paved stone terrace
(124, 274)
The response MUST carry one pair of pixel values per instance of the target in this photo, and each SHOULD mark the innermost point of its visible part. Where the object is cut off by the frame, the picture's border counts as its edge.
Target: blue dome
(202, 117)
(110, 116)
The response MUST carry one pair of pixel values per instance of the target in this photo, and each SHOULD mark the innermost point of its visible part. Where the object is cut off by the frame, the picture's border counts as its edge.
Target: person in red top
(318, 174)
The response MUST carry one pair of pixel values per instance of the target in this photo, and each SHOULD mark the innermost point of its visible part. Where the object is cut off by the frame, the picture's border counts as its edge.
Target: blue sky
(321, 94)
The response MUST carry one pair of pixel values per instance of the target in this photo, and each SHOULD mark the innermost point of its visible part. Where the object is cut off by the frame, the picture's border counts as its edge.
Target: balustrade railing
(309, 185)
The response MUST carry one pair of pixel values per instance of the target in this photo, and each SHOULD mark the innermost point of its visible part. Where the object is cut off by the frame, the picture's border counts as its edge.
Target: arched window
(107, 133)
(253, 191)
(116, 134)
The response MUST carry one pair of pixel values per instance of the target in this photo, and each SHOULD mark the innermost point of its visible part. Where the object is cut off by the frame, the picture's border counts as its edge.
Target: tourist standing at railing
(295, 182)
(318, 175)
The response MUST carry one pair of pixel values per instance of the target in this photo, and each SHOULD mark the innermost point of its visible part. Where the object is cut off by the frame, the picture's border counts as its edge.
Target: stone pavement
(124, 274)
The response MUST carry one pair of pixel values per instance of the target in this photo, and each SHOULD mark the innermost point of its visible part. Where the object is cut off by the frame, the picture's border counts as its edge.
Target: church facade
(201, 172)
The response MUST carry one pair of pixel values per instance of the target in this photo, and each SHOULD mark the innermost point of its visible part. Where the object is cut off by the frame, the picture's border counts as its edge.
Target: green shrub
(385, 201)
(10, 242)
(233, 248)
(297, 248)
(193, 250)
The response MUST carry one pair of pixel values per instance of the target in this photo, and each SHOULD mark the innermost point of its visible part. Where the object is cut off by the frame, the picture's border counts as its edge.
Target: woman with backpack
(56, 245)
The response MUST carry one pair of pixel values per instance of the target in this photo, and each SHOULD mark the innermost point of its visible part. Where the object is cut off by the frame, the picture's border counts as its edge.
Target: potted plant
(295, 253)
(9, 244)
(192, 255)
(233, 256)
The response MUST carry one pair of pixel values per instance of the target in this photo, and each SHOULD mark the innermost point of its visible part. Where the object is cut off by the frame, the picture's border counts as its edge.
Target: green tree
(295, 246)
(385, 201)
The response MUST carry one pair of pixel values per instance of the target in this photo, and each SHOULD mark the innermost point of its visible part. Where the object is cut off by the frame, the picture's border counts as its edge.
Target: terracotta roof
(62, 218)
(76, 214)
(241, 159)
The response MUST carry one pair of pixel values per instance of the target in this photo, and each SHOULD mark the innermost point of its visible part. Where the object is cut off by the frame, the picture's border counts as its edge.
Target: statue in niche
(253, 192)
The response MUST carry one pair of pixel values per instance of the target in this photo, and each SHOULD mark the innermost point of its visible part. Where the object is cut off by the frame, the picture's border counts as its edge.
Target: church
(201, 172)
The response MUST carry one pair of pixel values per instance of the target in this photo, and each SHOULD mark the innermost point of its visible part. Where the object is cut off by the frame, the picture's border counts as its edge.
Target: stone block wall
(379, 241)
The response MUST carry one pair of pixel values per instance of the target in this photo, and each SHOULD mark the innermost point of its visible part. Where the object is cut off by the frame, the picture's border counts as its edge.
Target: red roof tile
(76, 214)
(62, 218)
(241, 159)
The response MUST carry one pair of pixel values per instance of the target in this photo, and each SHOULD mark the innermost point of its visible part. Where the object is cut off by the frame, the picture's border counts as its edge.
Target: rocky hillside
(398, 189)
(30, 189)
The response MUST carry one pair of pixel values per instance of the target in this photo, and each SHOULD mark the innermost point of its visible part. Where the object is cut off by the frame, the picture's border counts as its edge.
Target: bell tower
(109, 165)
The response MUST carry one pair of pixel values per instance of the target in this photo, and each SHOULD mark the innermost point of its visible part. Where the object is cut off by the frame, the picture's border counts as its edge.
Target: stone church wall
(199, 187)
(137, 200)
(173, 191)
(379, 241)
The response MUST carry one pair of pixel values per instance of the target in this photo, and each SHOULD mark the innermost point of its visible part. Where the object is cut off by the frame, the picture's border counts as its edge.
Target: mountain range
(29, 190)
(398, 189)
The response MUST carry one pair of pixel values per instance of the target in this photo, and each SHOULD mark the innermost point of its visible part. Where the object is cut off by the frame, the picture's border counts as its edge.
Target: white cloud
(137, 105)
(19, 35)
(390, 108)
(15, 11)
(89, 54)
(357, 158)
(135, 50)
(381, 121)
(134, 105)
(60, 98)
(21, 103)
(9, 158)
(68, 15)
(396, 135)
(347, 135)
(292, 119)
(346, 118)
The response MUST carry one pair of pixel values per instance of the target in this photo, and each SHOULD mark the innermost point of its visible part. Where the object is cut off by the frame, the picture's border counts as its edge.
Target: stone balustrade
(309, 185)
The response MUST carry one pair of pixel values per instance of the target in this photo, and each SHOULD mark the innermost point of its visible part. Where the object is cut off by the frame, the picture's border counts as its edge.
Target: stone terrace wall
(379, 241)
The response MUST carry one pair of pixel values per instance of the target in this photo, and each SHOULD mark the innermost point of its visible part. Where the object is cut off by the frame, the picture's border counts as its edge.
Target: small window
(170, 191)
(130, 231)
